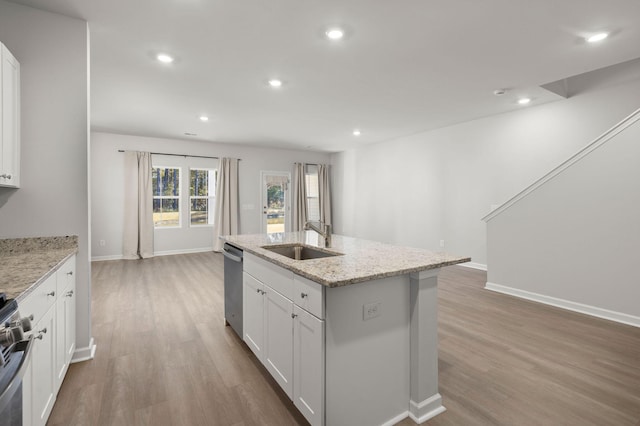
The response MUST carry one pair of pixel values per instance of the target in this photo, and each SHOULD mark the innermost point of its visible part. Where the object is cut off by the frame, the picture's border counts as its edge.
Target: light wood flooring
(164, 357)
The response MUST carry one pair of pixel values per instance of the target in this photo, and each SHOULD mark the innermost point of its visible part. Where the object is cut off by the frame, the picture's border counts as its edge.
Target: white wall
(53, 199)
(576, 237)
(438, 185)
(107, 187)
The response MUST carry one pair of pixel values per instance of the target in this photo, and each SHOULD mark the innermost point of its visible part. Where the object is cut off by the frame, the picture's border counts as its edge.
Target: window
(202, 192)
(166, 196)
(313, 192)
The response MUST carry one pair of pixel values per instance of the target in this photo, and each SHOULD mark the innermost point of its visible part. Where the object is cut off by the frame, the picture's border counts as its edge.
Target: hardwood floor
(164, 357)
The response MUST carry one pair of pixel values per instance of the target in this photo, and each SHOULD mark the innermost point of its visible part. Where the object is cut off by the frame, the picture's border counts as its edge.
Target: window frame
(168, 197)
(309, 171)
(211, 198)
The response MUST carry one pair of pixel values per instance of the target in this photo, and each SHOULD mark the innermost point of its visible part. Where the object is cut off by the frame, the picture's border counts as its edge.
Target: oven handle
(8, 393)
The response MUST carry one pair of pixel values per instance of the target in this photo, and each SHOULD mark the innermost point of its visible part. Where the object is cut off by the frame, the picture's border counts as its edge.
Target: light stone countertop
(361, 260)
(27, 262)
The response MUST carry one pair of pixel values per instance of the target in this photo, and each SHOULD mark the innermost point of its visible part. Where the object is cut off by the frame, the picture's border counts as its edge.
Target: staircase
(572, 238)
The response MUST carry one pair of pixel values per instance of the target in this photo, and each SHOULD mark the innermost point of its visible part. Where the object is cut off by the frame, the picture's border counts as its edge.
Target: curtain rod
(181, 155)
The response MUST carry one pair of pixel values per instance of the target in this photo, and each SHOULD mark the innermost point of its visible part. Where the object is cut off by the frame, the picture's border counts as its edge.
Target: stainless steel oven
(14, 360)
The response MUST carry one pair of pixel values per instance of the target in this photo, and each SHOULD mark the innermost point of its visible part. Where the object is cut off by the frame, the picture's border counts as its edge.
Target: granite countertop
(361, 260)
(26, 262)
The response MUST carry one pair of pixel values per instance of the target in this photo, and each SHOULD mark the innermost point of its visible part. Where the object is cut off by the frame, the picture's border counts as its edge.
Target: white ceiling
(405, 66)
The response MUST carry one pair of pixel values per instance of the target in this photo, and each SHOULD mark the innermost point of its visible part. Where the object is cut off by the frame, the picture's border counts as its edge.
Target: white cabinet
(65, 319)
(42, 365)
(286, 338)
(27, 409)
(38, 384)
(9, 119)
(308, 365)
(278, 339)
(52, 305)
(253, 314)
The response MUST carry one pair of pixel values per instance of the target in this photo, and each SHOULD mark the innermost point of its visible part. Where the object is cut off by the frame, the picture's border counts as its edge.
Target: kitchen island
(351, 337)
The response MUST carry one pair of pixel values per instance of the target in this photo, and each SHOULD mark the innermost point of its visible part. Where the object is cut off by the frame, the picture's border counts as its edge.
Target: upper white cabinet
(9, 119)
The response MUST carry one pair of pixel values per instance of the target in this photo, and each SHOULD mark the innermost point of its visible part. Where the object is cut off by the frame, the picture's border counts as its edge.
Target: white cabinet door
(60, 364)
(253, 314)
(70, 321)
(27, 391)
(42, 369)
(308, 365)
(278, 344)
(10, 119)
(65, 321)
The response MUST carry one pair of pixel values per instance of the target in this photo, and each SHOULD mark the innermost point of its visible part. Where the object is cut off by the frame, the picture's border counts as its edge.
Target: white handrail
(598, 142)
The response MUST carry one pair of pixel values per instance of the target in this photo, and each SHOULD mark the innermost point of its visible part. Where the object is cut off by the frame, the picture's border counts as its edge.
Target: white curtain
(225, 220)
(138, 206)
(324, 193)
(299, 214)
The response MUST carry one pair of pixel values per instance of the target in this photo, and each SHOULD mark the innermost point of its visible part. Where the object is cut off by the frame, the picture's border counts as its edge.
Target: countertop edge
(43, 278)
(360, 279)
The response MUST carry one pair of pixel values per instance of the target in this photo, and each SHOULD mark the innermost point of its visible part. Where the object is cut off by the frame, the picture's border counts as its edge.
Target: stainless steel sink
(300, 252)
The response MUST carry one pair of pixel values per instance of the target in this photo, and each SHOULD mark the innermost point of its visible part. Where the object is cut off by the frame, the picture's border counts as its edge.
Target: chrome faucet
(324, 230)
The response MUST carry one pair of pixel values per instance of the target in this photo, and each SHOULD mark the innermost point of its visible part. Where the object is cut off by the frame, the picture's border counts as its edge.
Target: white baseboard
(183, 251)
(159, 253)
(474, 265)
(396, 419)
(427, 409)
(84, 354)
(103, 258)
(566, 304)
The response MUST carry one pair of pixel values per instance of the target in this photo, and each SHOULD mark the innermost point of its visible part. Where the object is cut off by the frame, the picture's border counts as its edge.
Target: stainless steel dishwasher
(233, 287)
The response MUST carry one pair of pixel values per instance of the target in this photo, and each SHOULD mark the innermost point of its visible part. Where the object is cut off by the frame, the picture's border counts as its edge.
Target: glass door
(275, 202)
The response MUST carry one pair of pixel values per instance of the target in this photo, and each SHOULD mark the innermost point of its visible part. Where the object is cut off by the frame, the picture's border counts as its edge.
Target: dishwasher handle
(230, 256)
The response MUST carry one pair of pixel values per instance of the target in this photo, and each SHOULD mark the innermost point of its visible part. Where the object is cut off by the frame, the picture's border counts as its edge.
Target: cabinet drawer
(66, 275)
(272, 275)
(308, 295)
(38, 302)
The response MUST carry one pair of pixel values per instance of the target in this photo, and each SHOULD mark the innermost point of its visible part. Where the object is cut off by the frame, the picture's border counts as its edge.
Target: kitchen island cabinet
(275, 330)
(363, 325)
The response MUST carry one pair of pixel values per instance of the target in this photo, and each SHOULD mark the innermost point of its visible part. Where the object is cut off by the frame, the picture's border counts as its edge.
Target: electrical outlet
(441, 243)
(103, 243)
(370, 310)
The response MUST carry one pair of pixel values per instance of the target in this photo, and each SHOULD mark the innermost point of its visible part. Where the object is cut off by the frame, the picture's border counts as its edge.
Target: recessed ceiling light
(204, 118)
(275, 83)
(597, 37)
(524, 101)
(164, 58)
(334, 33)
(357, 132)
